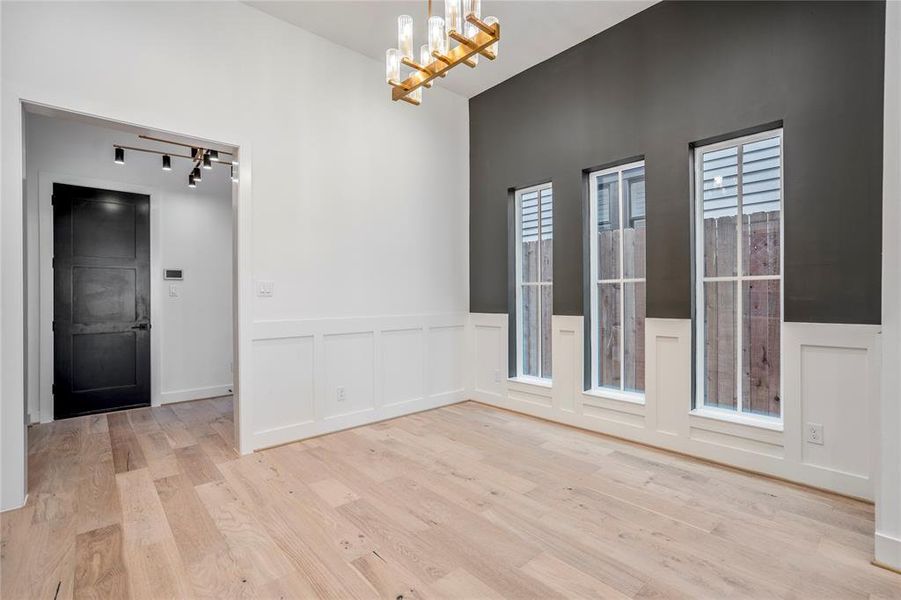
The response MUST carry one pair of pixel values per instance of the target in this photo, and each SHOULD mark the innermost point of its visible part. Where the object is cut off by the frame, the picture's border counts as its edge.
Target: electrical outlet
(174, 292)
(497, 376)
(815, 433)
(341, 394)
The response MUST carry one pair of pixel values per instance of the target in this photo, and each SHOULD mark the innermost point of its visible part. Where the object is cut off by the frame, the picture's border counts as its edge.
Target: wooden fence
(761, 302)
(621, 324)
(760, 359)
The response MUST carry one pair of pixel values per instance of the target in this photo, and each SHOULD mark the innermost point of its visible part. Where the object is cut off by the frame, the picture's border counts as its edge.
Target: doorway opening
(130, 284)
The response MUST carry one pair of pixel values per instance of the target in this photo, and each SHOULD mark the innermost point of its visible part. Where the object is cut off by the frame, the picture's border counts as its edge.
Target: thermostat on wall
(173, 274)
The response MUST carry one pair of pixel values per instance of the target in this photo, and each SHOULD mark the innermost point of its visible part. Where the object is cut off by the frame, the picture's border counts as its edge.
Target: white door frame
(46, 180)
(13, 442)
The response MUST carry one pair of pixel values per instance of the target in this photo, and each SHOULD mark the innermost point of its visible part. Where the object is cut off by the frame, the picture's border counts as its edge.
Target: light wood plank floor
(460, 502)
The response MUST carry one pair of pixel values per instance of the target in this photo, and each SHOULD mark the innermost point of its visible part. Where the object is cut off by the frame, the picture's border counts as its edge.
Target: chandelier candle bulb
(452, 16)
(416, 95)
(437, 36)
(491, 22)
(405, 35)
(392, 65)
(471, 7)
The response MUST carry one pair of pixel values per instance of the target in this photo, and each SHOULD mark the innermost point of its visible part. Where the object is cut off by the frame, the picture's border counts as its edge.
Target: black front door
(101, 300)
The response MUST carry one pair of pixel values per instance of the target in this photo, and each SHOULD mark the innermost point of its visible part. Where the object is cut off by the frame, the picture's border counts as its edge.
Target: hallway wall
(192, 332)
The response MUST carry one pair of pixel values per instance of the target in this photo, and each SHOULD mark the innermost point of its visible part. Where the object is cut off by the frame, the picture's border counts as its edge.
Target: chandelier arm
(468, 42)
(444, 62)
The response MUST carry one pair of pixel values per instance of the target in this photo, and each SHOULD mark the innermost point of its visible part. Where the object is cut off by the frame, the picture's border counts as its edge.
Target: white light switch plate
(264, 288)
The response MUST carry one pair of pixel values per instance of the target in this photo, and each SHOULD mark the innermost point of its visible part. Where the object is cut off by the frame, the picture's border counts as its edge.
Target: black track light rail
(200, 156)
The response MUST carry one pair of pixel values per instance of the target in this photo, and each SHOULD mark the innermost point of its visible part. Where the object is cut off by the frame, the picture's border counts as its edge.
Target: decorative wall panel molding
(321, 375)
(821, 362)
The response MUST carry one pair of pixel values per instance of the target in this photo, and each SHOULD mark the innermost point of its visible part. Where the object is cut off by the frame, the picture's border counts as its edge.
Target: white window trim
(520, 376)
(701, 408)
(620, 394)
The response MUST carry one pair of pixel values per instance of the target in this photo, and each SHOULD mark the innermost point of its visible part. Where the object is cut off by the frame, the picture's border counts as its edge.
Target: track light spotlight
(206, 162)
(191, 183)
(198, 176)
(167, 162)
(120, 156)
(214, 155)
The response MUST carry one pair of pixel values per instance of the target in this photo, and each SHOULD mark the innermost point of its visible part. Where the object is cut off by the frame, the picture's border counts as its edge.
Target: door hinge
(53, 326)
(53, 263)
(53, 389)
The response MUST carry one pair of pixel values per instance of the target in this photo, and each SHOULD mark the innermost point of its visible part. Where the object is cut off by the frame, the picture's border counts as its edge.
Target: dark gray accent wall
(676, 74)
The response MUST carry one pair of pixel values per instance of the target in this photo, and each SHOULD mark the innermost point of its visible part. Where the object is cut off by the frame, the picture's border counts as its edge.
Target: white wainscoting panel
(403, 366)
(349, 366)
(830, 373)
(447, 345)
(283, 369)
(831, 378)
(489, 366)
(388, 366)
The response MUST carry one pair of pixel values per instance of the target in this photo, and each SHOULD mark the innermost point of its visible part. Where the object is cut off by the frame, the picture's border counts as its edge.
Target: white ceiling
(531, 30)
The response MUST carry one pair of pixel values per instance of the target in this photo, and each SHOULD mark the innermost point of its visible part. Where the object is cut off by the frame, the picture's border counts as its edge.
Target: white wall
(831, 377)
(357, 205)
(888, 498)
(190, 229)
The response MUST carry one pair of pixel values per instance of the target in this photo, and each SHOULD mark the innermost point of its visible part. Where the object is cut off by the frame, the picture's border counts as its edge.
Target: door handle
(141, 326)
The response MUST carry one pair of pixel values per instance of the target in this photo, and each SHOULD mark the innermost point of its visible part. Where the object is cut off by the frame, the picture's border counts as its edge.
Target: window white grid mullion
(540, 264)
(622, 290)
(739, 255)
(628, 280)
(726, 278)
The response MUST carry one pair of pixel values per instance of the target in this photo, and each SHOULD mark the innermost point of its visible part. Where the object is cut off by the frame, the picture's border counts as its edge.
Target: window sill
(617, 395)
(536, 381)
(760, 422)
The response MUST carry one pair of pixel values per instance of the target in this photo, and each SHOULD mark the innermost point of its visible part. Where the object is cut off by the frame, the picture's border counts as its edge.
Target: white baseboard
(195, 393)
(308, 429)
(888, 551)
(8, 509)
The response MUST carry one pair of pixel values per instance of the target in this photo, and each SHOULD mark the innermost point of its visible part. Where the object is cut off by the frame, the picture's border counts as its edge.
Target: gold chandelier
(473, 37)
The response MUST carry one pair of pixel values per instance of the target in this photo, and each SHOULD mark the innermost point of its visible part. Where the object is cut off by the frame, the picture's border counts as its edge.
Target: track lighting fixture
(202, 158)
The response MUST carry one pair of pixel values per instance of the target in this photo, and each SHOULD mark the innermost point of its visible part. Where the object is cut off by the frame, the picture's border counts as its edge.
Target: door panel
(103, 229)
(103, 294)
(101, 300)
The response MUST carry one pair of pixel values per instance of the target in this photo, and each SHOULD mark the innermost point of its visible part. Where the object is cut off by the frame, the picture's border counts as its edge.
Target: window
(534, 280)
(738, 293)
(617, 205)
